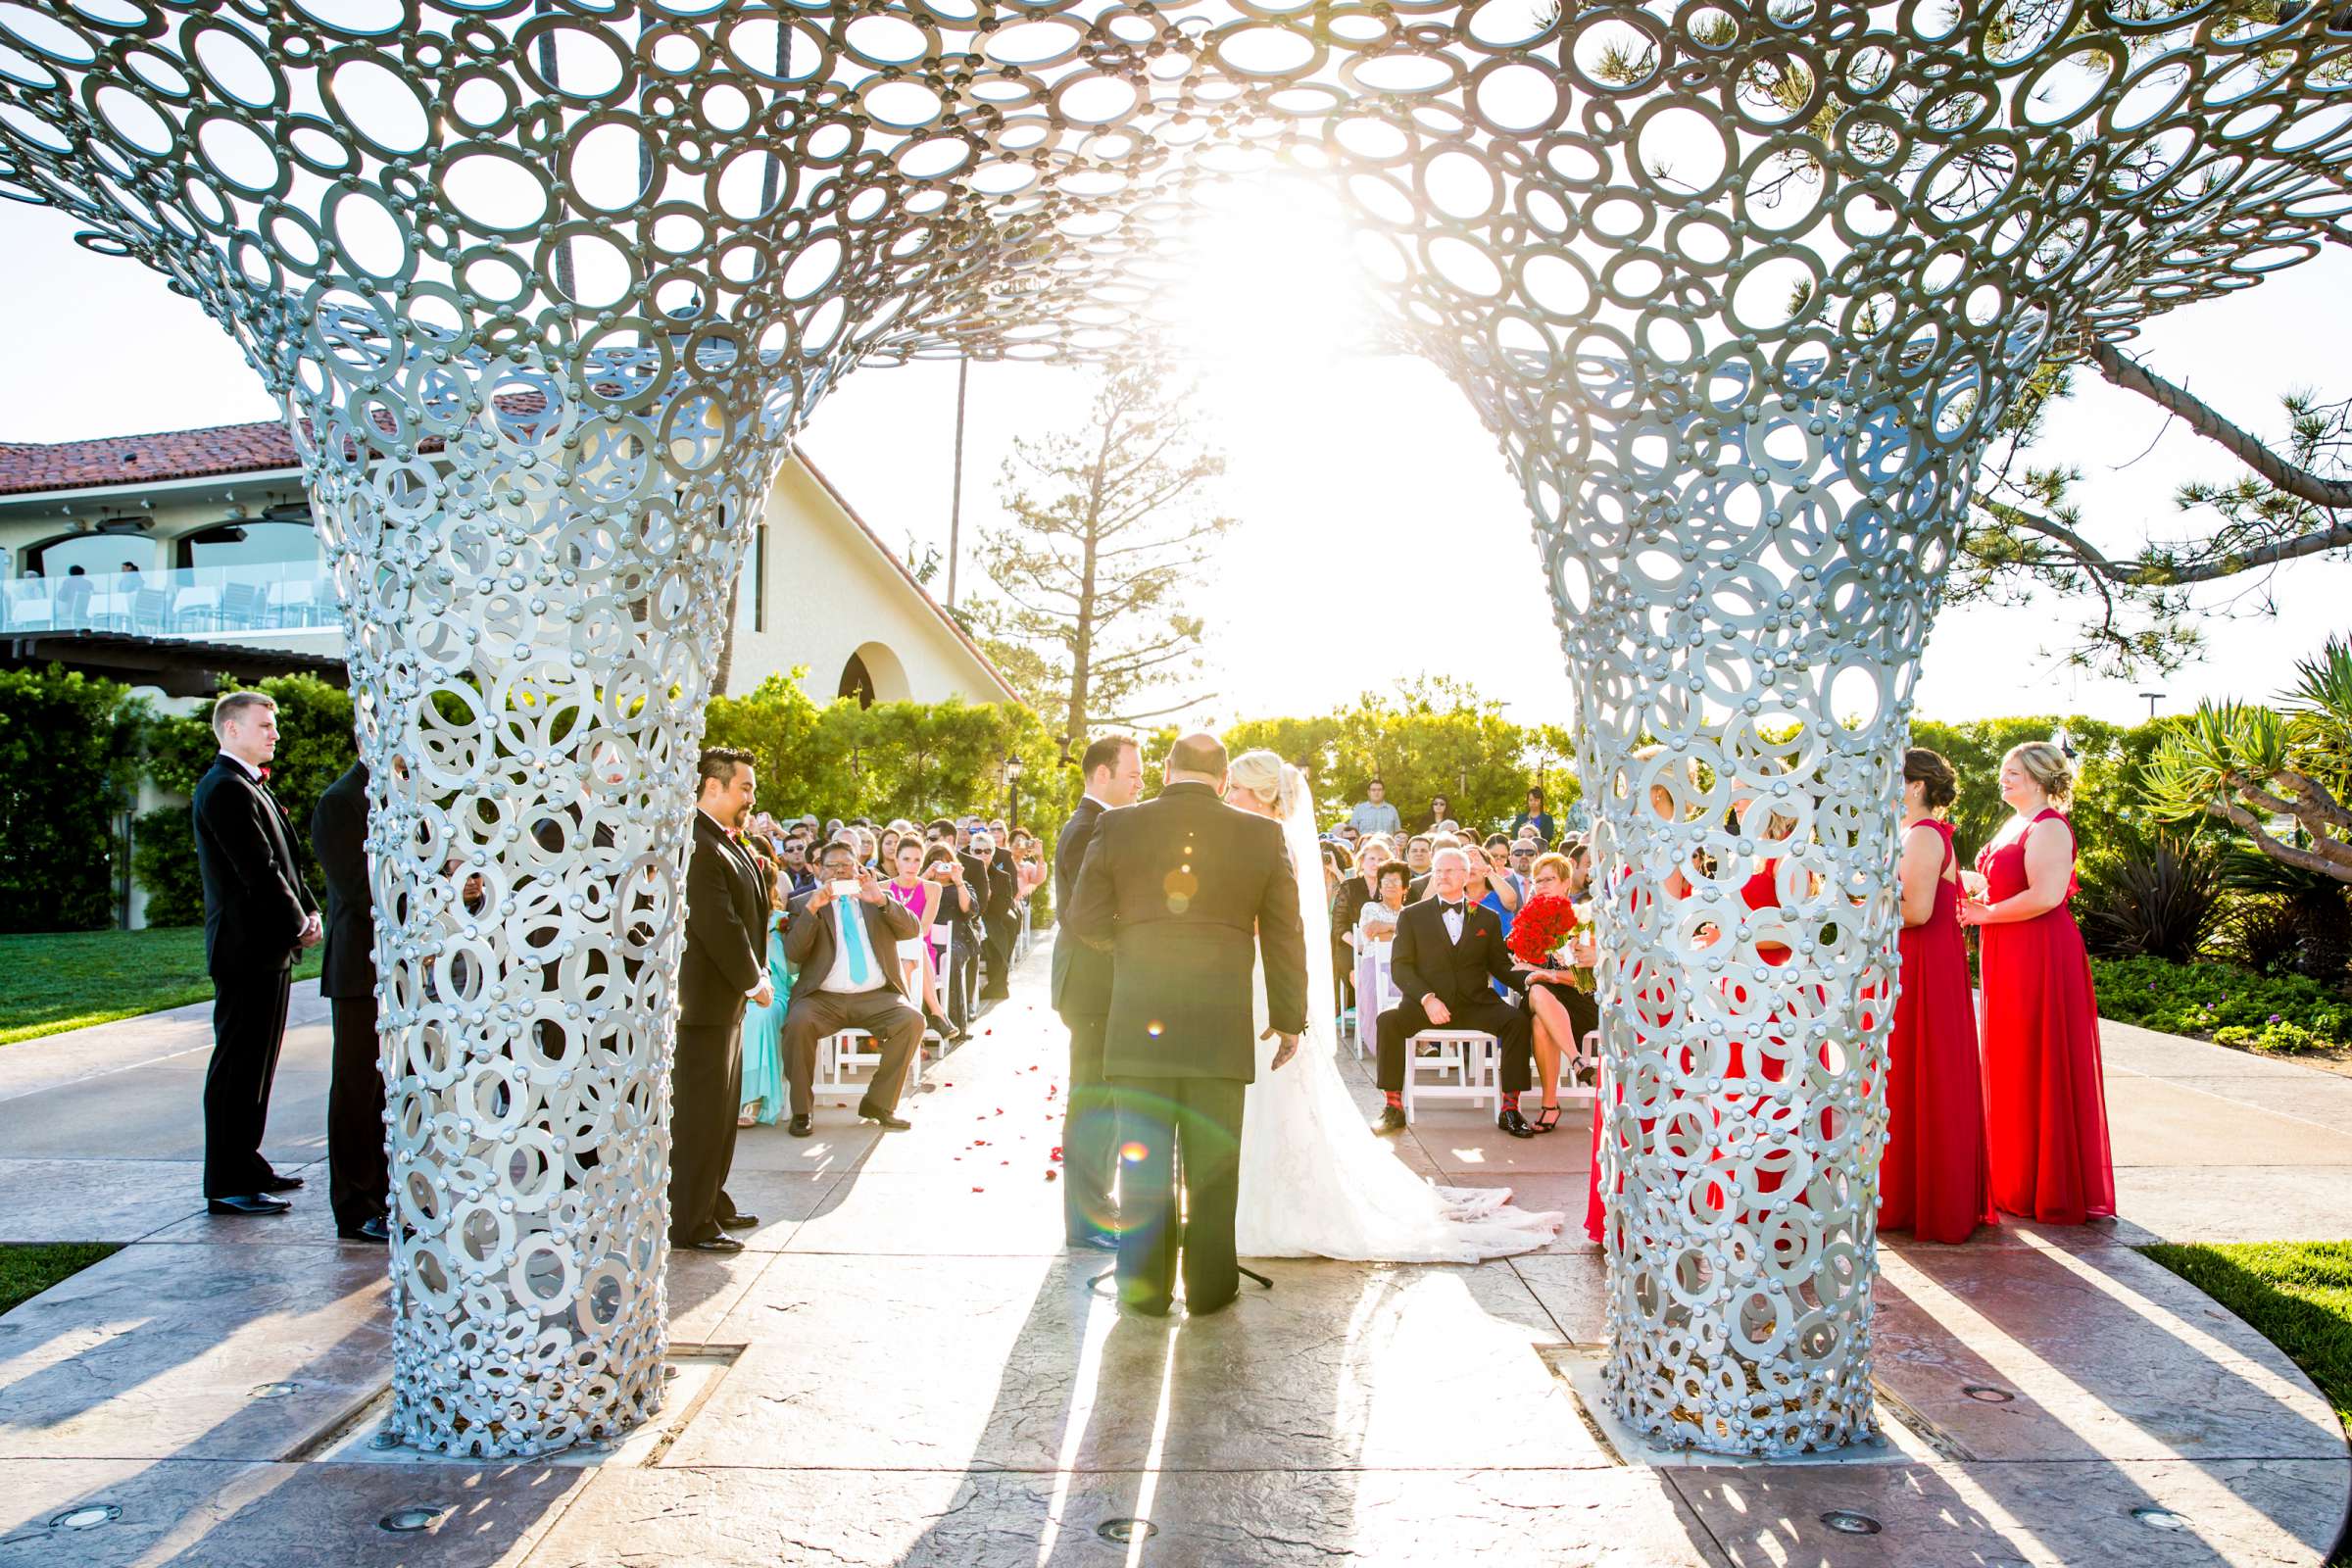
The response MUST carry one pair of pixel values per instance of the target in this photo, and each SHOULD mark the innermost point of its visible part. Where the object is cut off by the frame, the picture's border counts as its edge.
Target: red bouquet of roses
(1544, 924)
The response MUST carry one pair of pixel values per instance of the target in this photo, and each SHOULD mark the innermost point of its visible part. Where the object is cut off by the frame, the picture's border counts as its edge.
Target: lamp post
(1012, 783)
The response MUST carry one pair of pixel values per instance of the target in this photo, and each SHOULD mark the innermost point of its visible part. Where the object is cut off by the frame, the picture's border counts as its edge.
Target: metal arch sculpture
(1742, 286)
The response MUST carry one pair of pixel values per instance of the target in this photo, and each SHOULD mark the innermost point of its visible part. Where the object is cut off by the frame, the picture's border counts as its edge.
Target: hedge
(68, 760)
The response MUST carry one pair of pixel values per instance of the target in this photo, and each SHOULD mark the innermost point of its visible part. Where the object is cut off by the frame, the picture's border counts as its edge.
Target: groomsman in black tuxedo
(1113, 767)
(256, 915)
(359, 1176)
(1445, 951)
(727, 906)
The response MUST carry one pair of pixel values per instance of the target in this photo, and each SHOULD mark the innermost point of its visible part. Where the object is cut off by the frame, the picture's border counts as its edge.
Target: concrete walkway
(907, 1368)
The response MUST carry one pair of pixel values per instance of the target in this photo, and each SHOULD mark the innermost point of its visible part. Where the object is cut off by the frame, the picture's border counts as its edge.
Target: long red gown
(1934, 1180)
(2045, 1096)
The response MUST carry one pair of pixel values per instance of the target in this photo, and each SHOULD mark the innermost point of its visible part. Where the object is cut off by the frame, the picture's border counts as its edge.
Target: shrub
(2163, 904)
(68, 761)
(2199, 999)
(2284, 1037)
(2262, 934)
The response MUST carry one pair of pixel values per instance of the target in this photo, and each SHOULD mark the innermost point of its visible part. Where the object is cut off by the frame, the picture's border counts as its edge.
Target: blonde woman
(2044, 1091)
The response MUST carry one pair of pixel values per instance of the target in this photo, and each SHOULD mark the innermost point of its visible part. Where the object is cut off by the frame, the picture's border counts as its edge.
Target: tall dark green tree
(1109, 527)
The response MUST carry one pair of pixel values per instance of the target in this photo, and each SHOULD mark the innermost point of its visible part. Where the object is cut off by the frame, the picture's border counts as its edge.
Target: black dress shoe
(714, 1244)
(800, 1126)
(889, 1122)
(248, 1203)
(1510, 1121)
(739, 1222)
(280, 1184)
(1390, 1120)
(1217, 1305)
(367, 1230)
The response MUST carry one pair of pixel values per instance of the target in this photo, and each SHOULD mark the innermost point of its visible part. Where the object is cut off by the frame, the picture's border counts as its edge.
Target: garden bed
(2269, 1015)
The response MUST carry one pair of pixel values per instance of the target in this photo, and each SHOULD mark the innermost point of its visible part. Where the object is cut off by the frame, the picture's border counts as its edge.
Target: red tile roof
(27, 468)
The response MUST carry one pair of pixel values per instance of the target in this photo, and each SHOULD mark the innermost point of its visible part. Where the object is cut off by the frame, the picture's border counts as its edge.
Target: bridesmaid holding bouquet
(2045, 1094)
(1934, 1180)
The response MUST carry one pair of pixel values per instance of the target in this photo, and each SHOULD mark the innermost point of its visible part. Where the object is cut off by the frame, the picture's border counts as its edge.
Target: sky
(1381, 536)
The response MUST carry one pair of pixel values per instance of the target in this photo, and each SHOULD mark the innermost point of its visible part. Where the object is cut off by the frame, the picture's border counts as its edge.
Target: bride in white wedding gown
(1315, 1182)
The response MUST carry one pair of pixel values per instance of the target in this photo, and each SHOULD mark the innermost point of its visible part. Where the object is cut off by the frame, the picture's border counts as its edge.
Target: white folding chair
(1471, 1055)
(1373, 983)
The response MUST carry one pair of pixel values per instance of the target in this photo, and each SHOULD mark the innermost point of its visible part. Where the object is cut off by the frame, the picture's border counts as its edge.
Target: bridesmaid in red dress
(2046, 1095)
(1934, 1180)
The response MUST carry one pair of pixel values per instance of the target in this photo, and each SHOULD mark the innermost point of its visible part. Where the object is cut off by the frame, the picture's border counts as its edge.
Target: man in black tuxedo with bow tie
(256, 915)
(1445, 951)
(1114, 769)
(724, 967)
(359, 1176)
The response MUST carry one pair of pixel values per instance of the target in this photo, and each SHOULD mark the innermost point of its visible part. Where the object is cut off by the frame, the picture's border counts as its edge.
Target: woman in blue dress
(764, 1100)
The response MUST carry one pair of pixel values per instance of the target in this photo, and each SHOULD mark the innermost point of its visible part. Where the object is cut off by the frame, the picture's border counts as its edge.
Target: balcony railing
(195, 602)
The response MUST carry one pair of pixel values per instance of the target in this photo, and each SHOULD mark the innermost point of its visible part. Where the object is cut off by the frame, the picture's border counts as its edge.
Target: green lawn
(49, 983)
(2298, 1294)
(27, 1271)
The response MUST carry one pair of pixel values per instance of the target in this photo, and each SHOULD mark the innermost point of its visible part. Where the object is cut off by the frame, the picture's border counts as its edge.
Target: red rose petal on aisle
(979, 1188)
(1050, 1173)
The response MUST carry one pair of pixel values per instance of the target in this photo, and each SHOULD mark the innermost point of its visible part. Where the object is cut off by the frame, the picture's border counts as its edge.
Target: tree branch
(2158, 574)
(2207, 421)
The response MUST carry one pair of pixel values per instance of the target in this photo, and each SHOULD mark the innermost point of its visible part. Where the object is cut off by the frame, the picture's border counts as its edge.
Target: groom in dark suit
(1114, 769)
(1186, 893)
(256, 915)
(1445, 951)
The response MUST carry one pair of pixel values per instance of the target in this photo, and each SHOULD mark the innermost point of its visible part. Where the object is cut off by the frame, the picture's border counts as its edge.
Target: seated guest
(1354, 892)
(1448, 950)
(1565, 1014)
(1377, 921)
(844, 952)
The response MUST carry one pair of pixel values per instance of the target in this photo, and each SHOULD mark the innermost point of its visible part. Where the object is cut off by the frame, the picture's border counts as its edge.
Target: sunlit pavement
(906, 1367)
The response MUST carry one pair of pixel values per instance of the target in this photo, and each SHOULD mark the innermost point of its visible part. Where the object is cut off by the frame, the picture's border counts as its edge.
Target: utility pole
(963, 375)
(2153, 698)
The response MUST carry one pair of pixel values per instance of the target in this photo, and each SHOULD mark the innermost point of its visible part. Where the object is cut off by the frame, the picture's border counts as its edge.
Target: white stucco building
(170, 560)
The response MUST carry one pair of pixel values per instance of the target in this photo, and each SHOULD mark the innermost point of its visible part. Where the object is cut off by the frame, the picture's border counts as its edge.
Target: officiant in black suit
(1113, 769)
(1186, 893)
(359, 1176)
(256, 915)
(1445, 951)
(725, 966)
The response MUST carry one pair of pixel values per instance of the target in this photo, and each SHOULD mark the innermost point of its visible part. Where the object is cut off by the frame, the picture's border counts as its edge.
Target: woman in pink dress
(1934, 1180)
(2044, 1093)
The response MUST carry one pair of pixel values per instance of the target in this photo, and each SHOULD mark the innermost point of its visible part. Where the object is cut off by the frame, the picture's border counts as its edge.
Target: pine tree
(1109, 526)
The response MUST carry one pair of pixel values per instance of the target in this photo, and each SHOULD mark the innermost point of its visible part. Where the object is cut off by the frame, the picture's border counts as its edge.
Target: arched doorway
(874, 674)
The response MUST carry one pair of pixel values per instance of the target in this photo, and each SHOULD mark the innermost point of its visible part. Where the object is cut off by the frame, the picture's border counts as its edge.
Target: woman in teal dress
(763, 1097)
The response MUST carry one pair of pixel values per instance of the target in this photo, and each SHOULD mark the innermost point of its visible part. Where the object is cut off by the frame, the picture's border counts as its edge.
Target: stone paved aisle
(907, 1368)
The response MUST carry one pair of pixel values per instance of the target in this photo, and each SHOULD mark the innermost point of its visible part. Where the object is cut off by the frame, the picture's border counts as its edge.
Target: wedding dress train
(1316, 1181)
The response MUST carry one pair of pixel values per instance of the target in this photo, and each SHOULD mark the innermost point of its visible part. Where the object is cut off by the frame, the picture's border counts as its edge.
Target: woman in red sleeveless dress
(1934, 1180)
(2044, 1093)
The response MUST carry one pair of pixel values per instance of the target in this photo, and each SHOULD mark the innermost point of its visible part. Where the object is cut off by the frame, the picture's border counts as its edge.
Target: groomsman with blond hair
(256, 916)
